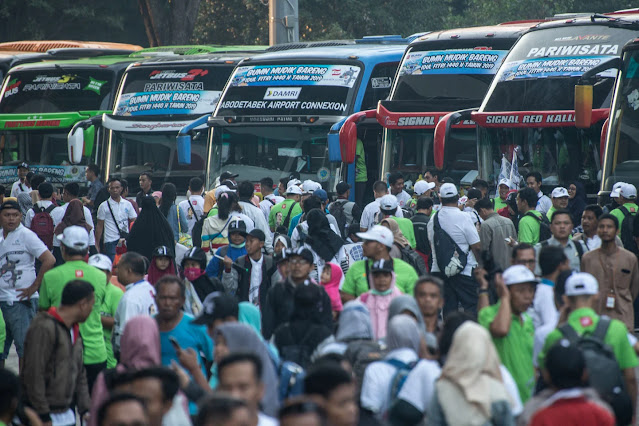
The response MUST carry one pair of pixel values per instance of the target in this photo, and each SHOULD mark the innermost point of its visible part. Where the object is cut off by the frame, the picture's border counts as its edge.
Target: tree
(169, 22)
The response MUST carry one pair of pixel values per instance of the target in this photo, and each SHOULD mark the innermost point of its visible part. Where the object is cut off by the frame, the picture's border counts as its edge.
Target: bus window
(379, 85)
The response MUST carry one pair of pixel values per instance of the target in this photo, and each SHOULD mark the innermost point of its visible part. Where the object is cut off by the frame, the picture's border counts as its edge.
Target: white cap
(422, 186)
(559, 192)
(581, 283)
(293, 189)
(388, 202)
(448, 190)
(101, 261)
(518, 274)
(75, 237)
(615, 189)
(378, 233)
(220, 189)
(294, 182)
(628, 190)
(309, 186)
(505, 181)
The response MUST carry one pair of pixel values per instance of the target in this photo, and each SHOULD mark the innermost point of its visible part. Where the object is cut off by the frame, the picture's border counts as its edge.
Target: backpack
(451, 259)
(360, 354)
(544, 226)
(42, 224)
(196, 232)
(627, 231)
(401, 374)
(291, 379)
(604, 373)
(336, 209)
(413, 258)
(578, 247)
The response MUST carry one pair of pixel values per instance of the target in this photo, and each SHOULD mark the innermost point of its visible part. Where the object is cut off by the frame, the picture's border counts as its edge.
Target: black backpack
(411, 257)
(627, 230)
(336, 209)
(604, 372)
(544, 226)
(196, 232)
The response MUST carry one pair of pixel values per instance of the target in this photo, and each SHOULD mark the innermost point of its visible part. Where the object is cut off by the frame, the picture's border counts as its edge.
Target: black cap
(196, 254)
(23, 165)
(237, 226)
(217, 305)
(382, 266)
(257, 233)
(228, 175)
(162, 251)
(304, 253)
(229, 184)
(342, 187)
(10, 205)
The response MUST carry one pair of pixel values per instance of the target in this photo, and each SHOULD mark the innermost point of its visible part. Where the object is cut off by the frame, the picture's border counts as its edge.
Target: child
(331, 279)
(162, 264)
(231, 252)
(382, 291)
(281, 242)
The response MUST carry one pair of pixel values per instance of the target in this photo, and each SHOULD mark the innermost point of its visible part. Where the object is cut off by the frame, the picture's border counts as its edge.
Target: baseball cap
(559, 192)
(342, 187)
(448, 190)
(615, 189)
(518, 274)
(628, 190)
(304, 253)
(294, 181)
(23, 165)
(388, 202)
(378, 233)
(422, 186)
(237, 226)
(228, 175)
(504, 182)
(161, 251)
(74, 237)
(323, 196)
(310, 186)
(257, 233)
(101, 261)
(10, 205)
(382, 266)
(217, 305)
(220, 189)
(293, 189)
(157, 194)
(231, 185)
(581, 283)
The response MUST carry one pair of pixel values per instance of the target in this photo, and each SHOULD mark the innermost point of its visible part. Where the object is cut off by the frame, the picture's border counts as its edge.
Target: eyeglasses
(298, 261)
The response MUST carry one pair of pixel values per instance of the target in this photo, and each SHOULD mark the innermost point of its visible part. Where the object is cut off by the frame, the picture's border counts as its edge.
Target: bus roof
(102, 61)
(350, 51)
(623, 18)
(41, 46)
(505, 30)
(212, 58)
(198, 49)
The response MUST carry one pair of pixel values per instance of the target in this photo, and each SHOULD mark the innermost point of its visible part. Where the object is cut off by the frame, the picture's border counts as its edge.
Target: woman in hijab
(576, 201)
(322, 241)
(470, 390)
(235, 337)
(26, 203)
(399, 241)
(174, 214)
(382, 291)
(74, 215)
(150, 230)
(331, 279)
(407, 305)
(354, 325)
(162, 263)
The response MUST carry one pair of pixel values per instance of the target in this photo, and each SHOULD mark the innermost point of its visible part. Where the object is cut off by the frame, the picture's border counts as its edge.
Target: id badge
(610, 302)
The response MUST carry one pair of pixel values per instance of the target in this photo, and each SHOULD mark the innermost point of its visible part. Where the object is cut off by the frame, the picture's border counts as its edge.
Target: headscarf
(150, 230)
(577, 204)
(332, 287)
(354, 323)
(403, 332)
(249, 314)
(379, 306)
(73, 216)
(25, 202)
(242, 338)
(321, 238)
(398, 237)
(154, 273)
(406, 303)
(473, 366)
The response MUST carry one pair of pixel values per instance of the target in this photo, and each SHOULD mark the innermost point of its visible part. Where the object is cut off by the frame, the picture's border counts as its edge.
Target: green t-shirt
(529, 229)
(406, 226)
(54, 282)
(516, 349)
(586, 320)
(279, 211)
(109, 306)
(212, 212)
(632, 208)
(550, 212)
(499, 204)
(361, 174)
(3, 331)
(355, 281)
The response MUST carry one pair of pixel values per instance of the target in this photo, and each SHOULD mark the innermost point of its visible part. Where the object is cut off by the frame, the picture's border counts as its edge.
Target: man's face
(429, 178)
(126, 413)
(239, 381)
(265, 189)
(145, 183)
(253, 245)
(66, 197)
(281, 188)
(531, 182)
(22, 173)
(10, 219)
(521, 296)
(86, 306)
(341, 406)
(526, 258)
(299, 268)
(115, 189)
(503, 191)
(560, 202)
(607, 230)
(429, 299)
(241, 416)
(561, 226)
(149, 390)
(589, 222)
(169, 301)
(397, 187)
(372, 249)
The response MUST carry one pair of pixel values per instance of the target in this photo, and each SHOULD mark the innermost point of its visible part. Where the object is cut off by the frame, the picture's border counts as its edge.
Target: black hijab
(150, 230)
(577, 204)
(321, 237)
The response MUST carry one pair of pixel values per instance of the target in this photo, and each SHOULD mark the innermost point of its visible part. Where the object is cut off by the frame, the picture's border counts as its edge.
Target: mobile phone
(174, 342)
(507, 239)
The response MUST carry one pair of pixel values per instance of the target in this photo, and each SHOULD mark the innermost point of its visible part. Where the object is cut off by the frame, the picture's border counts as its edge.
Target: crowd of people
(279, 304)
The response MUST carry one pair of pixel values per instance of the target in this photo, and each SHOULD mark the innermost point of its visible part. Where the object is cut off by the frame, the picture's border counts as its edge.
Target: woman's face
(279, 246)
(382, 281)
(221, 350)
(162, 262)
(326, 274)
(572, 191)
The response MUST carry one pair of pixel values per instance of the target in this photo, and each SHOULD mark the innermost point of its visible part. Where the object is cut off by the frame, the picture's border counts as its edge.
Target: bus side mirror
(75, 144)
(348, 142)
(442, 130)
(184, 149)
(583, 106)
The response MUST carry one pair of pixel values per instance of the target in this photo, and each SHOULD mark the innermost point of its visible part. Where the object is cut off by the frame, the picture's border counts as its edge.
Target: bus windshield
(255, 152)
(178, 89)
(289, 89)
(57, 90)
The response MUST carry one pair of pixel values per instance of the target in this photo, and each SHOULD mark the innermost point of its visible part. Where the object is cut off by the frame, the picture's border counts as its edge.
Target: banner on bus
(296, 75)
(54, 174)
(554, 67)
(169, 102)
(452, 62)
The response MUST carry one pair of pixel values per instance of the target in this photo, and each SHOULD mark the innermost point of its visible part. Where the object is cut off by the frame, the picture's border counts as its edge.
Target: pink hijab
(332, 287)
(379, 307)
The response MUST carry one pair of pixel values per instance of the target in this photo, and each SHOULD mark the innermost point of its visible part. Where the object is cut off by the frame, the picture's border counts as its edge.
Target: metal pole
(283, 21)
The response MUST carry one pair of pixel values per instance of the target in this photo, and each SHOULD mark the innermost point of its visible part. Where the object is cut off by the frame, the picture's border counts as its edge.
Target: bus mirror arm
(184, 139)
(442, 130)
(583, 92)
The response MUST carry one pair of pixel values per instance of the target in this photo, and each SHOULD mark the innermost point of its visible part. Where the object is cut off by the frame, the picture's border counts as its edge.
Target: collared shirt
(94, 188)
(256, 280)
(197, 201)
(142, 194)
(18, 253)
(123, 211)
(570, 250)
(371, 213)
(138, 299)
(58, 213)
(459, 226)
(618, 277)
(543, 310)
(269, 201)
(529, 228)
(403, 198)
(19, 187)
(493, 234)
(543, 203)
(515, 349)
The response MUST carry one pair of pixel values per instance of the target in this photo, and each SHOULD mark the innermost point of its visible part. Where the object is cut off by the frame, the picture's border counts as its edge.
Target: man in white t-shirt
(396, 183)
(194, 204)
(114, 217)
(20, 185)
(370, 213)
(19, 249)
(270, 199)
(139, 297)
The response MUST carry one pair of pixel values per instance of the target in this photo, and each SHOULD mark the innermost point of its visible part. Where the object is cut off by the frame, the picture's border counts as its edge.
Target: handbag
(184, 238)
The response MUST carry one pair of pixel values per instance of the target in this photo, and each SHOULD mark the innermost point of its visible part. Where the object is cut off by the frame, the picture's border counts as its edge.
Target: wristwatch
(482, 291)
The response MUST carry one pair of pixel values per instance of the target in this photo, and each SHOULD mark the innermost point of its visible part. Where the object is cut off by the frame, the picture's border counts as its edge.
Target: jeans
(92, 371)
(460, 291)
(109, 249)
(17, 317)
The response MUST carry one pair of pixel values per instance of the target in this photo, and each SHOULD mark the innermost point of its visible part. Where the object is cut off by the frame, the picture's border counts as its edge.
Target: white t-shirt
(18, 253)
(543, 203)
(369, 215)
(31, 213)
(592, 243)
(58, 213)
(18, 188)
(266, 205)
(543, 310)
(461, 229)
(403, 198)
(198, 205)
(256, 280)
(138, 299)
(511, 387)
(122, 211)
(419, 385)
(264, 420)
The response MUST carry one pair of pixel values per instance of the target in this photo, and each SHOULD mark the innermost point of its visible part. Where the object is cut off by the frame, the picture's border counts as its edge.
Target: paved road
(12, 361)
